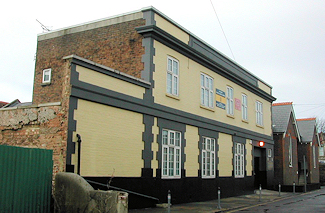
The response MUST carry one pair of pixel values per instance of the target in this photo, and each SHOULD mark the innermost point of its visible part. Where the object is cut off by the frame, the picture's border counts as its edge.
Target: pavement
(229, 204)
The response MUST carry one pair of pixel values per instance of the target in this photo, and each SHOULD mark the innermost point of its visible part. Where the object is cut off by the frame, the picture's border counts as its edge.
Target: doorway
(260, 174)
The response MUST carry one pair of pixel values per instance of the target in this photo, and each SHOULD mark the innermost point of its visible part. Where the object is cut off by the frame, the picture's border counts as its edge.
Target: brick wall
(118, 46)
(42, 127)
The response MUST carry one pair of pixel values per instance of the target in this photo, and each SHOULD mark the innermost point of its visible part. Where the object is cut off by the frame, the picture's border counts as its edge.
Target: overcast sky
(281, 42)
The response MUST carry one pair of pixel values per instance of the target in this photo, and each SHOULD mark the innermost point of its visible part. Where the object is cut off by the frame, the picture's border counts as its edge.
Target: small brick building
(286, 137)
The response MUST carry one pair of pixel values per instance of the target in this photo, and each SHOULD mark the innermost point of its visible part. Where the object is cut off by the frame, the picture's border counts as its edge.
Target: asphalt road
(308, 203)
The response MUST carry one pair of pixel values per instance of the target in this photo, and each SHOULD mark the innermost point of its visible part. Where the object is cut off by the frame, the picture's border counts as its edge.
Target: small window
(290, 151)
(172, 76)
(230, 101)
(259, 113)
(244, 107)
(206, 90)
(269, 153)
(46, 76)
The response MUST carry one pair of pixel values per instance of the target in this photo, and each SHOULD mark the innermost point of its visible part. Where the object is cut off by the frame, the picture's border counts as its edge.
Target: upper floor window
(46, 76)
(230, 101)
(239, 158)
(171, 154)
(208, 157)
(244, 107)
(172, 76)
(259, 113)
(206, 90)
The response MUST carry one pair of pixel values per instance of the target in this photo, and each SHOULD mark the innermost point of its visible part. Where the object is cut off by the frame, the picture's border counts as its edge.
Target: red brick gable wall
(117, 46)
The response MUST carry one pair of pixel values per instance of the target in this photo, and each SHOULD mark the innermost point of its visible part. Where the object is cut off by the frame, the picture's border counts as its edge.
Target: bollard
(294, 187)
(260, 193)
(219, 206)
(169, 198)
(279, 190)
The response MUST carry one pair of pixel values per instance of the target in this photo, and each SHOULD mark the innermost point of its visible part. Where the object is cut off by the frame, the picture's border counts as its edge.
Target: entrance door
(260, 167)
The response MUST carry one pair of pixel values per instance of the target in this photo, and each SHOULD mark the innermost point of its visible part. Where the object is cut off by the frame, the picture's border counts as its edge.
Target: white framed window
(46, 76)
(171, 154)
(269, 153)
(230, 101)
(172, 76)
(239, 160)
(208, 158)
(314, 156)
(290, 151)
(259, 113)
(207, 90)
(244, 107)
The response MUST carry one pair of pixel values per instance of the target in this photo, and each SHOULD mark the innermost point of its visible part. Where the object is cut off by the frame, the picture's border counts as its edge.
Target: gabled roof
(16, 103)
(307, 129)
(280, 116)
(2, 103)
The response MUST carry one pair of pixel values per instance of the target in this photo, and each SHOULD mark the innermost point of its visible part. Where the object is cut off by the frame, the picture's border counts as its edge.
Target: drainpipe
(79, 151)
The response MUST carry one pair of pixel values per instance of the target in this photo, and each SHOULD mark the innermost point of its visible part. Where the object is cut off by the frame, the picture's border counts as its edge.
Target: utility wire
(223, 30)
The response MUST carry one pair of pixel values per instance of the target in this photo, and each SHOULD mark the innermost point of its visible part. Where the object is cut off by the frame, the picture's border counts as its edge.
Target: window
(290, 151)
(206, 90)
(46, 76)
(314, 156)
(171, 154)
(321, 151)
(244, 107)
(269, 153)
(239, 160)
(172, 76)
(259, 113)
(230, 101)
(208, 158)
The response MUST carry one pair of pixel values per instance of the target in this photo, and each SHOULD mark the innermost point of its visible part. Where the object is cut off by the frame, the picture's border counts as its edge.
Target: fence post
(279, 190)
(169, 198)
(219, 206)
(294, 187)
(260, 189)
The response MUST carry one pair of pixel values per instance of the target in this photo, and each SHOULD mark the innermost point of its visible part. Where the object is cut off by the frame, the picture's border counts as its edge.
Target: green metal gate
(25, 179)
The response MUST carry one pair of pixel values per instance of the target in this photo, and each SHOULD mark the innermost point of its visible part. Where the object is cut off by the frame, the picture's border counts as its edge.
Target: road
(308, 203)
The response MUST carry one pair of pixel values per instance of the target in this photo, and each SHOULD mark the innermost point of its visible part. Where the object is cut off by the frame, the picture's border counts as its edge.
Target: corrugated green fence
(25, 179)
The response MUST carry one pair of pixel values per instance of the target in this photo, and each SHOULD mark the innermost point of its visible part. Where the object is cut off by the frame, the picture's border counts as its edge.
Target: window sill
(259, 126)
(172, 96)
(245, 121)
(231, 116)
(207, 108)
(45, 84)
(208, 177)
(167, 177)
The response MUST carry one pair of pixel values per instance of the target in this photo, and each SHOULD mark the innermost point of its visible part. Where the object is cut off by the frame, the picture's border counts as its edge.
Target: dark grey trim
(220, 59)
(107, 71)
(100, 95)
(175, 126)
(222, 69)
(147, 137)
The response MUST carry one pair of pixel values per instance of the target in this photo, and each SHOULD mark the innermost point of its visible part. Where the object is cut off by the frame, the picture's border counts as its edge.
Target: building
(286, 137)
(308, 150)
(141, 103)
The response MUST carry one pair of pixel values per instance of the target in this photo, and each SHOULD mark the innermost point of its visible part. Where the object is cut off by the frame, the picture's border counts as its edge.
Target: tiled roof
(280, 116)
(281, 104)
(306, 128)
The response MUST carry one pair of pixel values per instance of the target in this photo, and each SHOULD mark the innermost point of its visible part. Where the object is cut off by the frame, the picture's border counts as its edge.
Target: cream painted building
(151, 108)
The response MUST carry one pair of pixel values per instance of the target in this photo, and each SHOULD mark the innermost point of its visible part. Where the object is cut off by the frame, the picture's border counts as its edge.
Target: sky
(281, 42)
